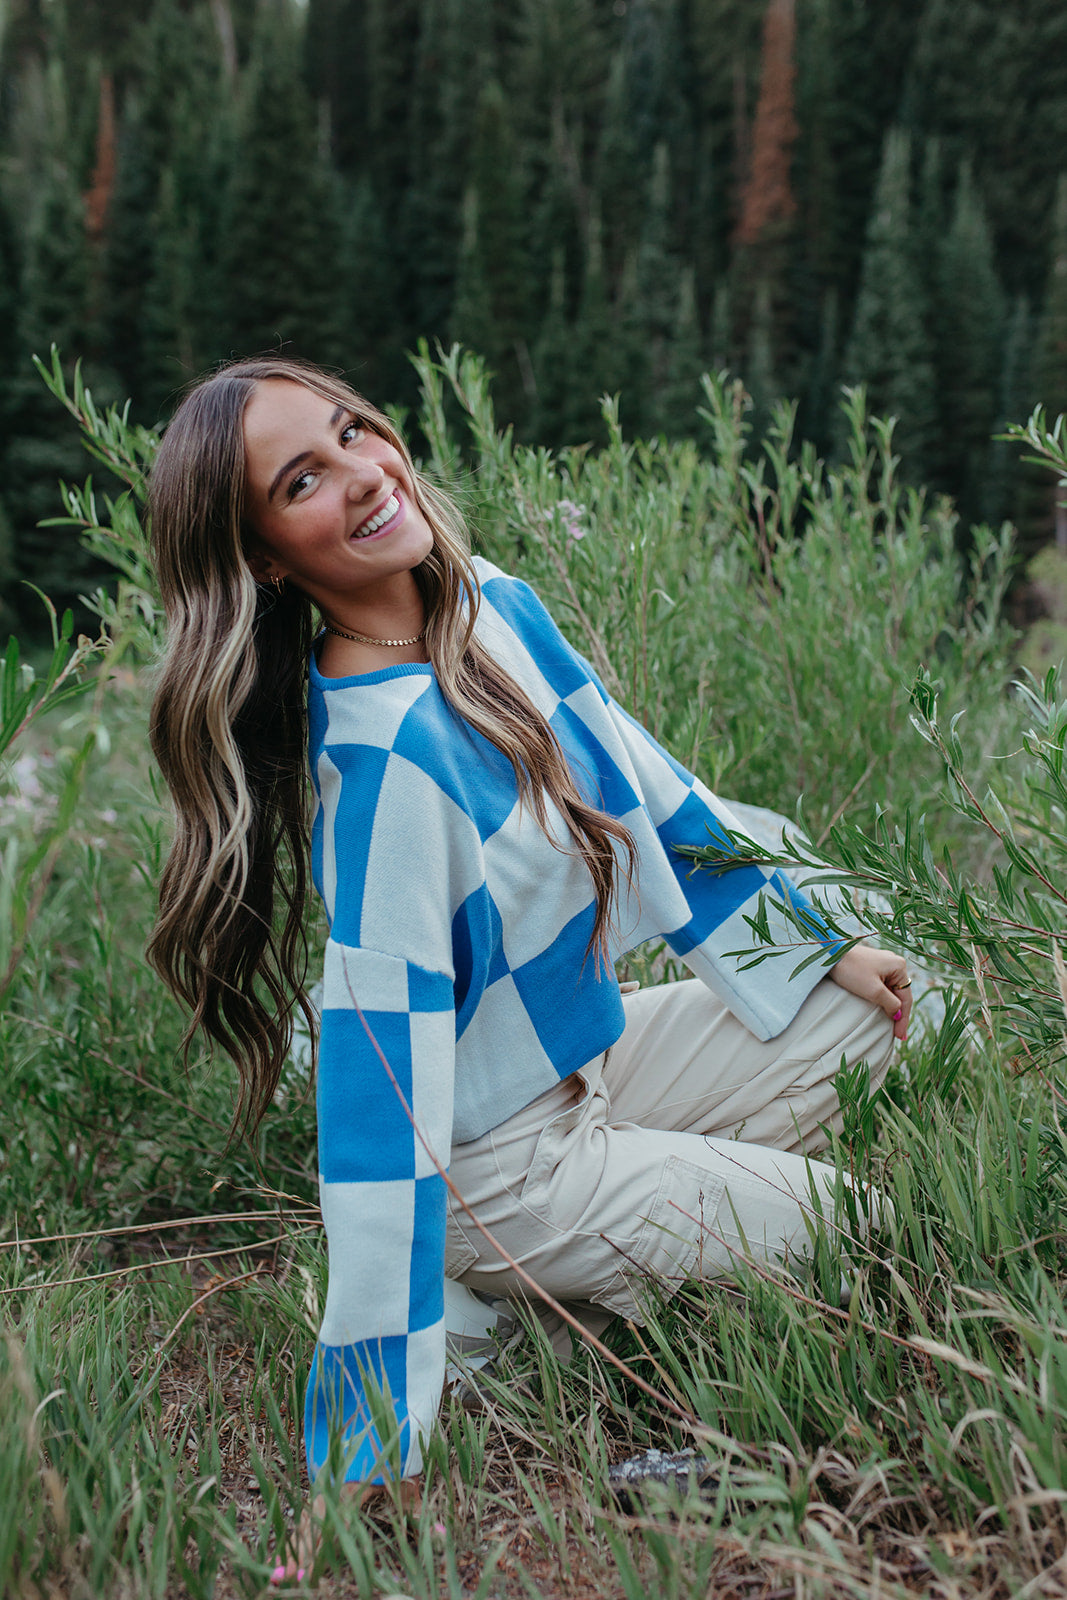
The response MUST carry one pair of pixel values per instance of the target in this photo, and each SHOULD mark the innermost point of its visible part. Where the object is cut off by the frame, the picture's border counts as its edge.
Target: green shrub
(762, 614)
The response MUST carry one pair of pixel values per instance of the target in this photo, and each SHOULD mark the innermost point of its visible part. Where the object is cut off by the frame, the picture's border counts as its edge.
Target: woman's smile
(383, 520)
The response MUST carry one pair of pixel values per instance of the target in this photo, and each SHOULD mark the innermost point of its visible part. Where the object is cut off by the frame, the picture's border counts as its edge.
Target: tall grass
(768, 618)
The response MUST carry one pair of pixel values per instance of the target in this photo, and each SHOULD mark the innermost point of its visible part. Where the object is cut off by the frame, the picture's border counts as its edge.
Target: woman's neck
(366, 632)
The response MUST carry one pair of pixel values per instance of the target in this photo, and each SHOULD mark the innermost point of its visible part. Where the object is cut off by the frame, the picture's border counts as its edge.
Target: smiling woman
(488, 830)
(338, 518)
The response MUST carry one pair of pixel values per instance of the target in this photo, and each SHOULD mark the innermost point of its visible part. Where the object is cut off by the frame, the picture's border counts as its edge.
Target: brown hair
(229, 730)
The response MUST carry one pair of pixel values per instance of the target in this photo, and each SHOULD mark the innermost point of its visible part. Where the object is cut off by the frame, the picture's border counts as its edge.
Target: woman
(489, 832)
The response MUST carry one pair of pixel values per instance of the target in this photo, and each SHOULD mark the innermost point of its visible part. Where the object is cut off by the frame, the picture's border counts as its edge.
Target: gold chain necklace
(365, 638)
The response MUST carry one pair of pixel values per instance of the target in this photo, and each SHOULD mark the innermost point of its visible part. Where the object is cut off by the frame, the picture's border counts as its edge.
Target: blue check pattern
(456, 983)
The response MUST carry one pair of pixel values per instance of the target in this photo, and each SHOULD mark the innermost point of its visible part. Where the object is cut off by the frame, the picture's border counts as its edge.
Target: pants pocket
(552, 1143)
(460, 1254)
(672, 1239)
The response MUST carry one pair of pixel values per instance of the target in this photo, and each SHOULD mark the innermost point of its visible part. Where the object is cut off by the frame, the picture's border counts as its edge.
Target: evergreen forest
(598, 196)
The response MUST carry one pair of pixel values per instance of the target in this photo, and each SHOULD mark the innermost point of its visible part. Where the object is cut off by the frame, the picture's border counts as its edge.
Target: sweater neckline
(403, 669)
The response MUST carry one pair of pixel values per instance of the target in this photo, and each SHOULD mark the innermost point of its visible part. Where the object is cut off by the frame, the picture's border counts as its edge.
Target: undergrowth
(783, 628)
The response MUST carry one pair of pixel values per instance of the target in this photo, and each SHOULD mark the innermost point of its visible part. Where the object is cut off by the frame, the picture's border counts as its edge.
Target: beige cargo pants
(679, 1150)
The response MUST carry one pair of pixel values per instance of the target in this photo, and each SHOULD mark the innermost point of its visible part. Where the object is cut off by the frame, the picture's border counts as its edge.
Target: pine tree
(102, 185)
(971, 327)
(815, 162)
(595, 349)
(168, 313)
(453, 59)
(336, 73)
(619, 168)
(171, 118)
(380, 364)
(472, 322)
(768, 204)
(704, 246)
(991, 81)
(1051, 359)
(685, 363)
(872, 45)
(760, 376)
(555, 76)
(648, 320)
(429, 210)
(9, 301)
(818, 420)
(552, 361)
(1015, 400)
(280, 259)
(723, 39)
(930, 224)
(495, 172)
(53, 307)
(128, 257)
(768, 209)
(887, 350)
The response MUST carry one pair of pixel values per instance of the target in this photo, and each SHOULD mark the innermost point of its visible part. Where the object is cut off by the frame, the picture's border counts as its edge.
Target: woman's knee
(865, 1033)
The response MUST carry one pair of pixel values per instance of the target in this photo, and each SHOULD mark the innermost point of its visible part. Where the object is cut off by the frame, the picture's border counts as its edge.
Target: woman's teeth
(386, 514)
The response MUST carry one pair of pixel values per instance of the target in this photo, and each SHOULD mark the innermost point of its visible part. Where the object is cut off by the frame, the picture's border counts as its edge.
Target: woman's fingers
(880, 977)
(901, 1015)
(895, 999)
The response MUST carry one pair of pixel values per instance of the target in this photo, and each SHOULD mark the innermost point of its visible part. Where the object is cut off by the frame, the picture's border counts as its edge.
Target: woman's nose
(366, 477)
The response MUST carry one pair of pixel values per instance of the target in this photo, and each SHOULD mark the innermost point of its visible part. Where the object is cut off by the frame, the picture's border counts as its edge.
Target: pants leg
(685, 1063)
(632, 1166)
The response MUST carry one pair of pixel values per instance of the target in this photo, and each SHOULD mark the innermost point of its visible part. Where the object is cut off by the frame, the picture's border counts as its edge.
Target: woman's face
(332, 503)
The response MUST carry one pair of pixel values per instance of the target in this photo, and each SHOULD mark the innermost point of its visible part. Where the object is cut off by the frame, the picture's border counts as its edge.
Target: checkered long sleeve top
(456, 983)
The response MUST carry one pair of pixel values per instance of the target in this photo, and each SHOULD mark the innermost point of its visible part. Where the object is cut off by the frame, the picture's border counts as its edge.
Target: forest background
(597, 195)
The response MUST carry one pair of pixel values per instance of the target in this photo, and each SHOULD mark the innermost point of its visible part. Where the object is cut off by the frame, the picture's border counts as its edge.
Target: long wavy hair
(229, 730)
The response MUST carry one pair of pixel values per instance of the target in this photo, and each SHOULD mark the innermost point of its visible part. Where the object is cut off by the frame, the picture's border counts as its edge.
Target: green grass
(159, 1293)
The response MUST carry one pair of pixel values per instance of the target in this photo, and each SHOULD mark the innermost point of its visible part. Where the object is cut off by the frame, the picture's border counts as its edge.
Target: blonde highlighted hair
(229, 730)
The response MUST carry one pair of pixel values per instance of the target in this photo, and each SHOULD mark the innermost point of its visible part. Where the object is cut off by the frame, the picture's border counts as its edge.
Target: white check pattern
(456, 984)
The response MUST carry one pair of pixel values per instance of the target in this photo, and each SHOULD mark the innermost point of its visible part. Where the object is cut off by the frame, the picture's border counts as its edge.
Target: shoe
(479, 1328)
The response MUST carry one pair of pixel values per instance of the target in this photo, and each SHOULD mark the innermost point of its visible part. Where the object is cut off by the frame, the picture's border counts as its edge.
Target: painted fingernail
(898, 1014)
(277, 1575)
(300, 1573)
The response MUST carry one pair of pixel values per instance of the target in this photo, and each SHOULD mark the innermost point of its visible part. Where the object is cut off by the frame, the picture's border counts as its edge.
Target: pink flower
(571, 517)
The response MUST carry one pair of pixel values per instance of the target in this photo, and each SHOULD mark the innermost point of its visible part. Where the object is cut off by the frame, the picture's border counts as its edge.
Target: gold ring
(902, 985)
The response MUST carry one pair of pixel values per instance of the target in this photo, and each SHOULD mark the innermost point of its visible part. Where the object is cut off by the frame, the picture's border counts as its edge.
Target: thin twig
(215, 1288)
(596, 647)
(142, 1266)
(149, 1227)
(847, 801)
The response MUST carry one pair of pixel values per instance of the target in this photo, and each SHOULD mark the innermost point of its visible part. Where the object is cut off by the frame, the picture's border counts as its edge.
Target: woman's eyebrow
(303, 456)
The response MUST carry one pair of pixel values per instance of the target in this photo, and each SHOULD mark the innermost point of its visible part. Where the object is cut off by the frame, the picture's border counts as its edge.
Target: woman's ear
(259, 565)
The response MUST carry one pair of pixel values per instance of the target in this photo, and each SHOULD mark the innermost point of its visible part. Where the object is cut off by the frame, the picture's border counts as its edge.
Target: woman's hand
(880, 977)
(300, 1561)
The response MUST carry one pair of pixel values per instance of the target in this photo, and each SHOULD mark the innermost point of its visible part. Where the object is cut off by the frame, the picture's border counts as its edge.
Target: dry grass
(516, 1500)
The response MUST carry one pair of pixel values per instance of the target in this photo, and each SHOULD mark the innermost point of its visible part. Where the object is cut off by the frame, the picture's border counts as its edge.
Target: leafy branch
(1000, 940)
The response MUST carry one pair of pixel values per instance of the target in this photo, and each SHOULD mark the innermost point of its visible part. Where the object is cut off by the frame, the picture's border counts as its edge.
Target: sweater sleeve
(389, 848)
(378, 1367)
(764, 989)
(704, 916)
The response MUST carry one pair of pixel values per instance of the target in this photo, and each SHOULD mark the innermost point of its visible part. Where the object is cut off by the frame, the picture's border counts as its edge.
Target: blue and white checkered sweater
(458, 937)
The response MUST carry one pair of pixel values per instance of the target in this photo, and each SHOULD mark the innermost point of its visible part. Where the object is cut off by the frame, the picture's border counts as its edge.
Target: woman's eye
(298, 483)
(351, 433)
